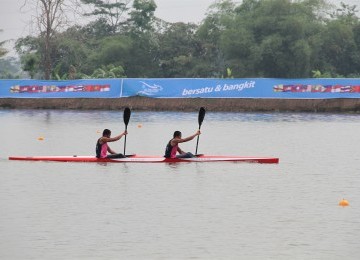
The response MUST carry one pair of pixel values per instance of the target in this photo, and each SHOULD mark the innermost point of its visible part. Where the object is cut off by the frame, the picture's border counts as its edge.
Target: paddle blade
(127, 114)
(201, 115)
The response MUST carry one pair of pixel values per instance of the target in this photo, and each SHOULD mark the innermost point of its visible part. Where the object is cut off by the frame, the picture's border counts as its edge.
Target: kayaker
(102, 147)
(173, 146)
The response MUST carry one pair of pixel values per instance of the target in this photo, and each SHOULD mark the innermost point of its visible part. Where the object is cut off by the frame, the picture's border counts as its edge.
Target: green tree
(97, 29)
(142, 16)
(109, 71)
(10, 68)
(211, 61)
(112, 50)
(50, 17)
(341, 43)
(3, 51)
(178, 46)
(30, 64)
(142, 60)
(256, 38)
(114, 13)
(272, 38)
(29, 51)
(73, 48)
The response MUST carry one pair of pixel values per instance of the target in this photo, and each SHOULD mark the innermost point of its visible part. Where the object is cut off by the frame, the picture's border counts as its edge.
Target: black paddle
(127, 114)
(200, 119)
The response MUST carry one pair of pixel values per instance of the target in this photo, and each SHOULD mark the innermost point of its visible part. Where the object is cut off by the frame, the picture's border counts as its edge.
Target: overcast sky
(15, 23)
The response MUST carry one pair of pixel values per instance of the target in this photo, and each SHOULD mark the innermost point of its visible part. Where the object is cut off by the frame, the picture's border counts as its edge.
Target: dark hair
(106, 132)
(177, 133)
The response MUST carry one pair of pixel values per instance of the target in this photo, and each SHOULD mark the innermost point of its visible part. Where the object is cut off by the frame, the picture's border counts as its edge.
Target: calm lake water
(181, 211)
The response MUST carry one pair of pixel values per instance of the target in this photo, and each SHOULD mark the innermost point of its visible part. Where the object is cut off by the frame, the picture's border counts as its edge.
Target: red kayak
(147, 159)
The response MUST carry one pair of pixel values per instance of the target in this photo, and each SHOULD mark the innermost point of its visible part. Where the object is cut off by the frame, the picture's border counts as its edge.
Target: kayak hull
(146, 159)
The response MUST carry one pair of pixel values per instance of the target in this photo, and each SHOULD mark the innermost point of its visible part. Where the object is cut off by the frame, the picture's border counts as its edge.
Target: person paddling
(173, 146)
(102, 147)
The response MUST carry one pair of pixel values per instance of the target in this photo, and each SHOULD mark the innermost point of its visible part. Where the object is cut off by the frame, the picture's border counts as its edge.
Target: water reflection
(162, 117)
(102, 164)
(282, 117)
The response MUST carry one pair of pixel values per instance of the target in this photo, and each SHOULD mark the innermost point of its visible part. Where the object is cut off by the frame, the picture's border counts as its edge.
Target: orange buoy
(98, 131)
(344, 203)
(139, 125)
(41, 138)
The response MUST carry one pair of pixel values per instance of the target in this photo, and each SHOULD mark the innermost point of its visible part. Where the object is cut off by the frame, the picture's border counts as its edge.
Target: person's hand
(125, 133)
(198, 132)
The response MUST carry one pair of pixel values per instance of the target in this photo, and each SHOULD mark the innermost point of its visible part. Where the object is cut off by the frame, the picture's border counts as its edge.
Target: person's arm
(180, 151)
(110, 150)
(112, 139)
(176, 141)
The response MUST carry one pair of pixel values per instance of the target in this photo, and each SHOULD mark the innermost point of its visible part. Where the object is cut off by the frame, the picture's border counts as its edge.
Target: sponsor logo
(300, 88)
(149, 90)
(53, 88)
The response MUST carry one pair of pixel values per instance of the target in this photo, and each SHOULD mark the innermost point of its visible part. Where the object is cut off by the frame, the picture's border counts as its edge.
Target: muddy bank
(176, 104)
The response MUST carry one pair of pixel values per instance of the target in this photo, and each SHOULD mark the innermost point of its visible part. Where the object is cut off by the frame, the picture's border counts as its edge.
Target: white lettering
(239, 87)
(197, 91)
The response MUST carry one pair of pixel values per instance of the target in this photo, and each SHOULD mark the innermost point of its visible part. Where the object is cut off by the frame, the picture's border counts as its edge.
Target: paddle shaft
(200, 120)
(127, 114)
(197, 142)
(125, 140)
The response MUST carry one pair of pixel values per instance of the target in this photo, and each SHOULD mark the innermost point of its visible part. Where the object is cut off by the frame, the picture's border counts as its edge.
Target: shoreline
(343, 105)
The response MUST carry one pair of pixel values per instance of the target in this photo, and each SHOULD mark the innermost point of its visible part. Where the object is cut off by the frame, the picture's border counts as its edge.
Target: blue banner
(191, 88)
(243, 88)
(94, 88)
(183, 88)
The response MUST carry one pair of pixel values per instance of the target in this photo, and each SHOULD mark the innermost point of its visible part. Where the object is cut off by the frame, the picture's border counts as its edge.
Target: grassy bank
(193, 104)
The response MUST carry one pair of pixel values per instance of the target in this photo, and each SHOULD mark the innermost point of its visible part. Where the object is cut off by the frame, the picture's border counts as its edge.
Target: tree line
(254, 38)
